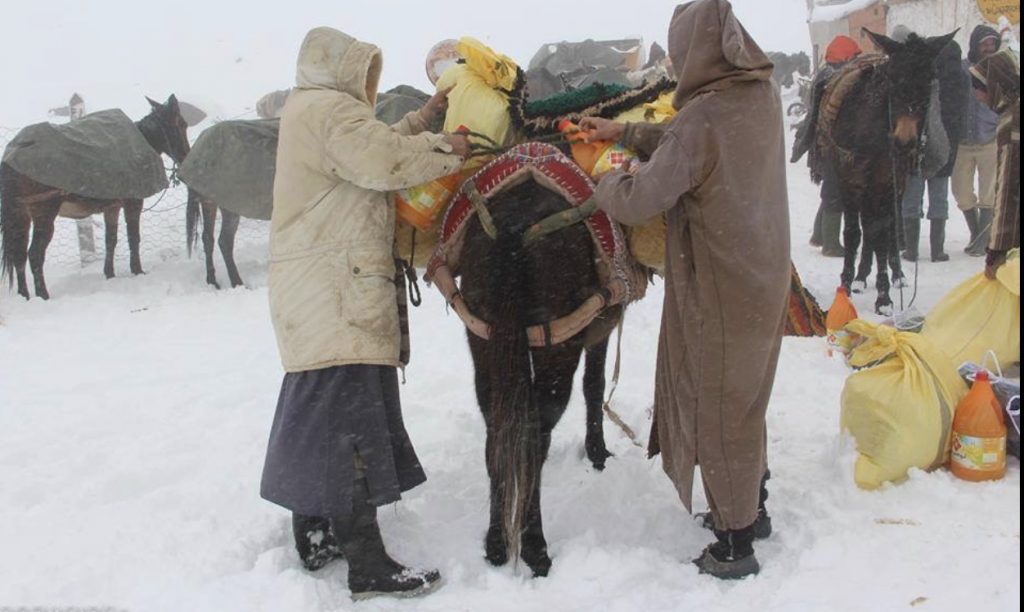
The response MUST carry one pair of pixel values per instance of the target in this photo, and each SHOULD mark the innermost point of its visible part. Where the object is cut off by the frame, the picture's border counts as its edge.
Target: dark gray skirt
(328, 422)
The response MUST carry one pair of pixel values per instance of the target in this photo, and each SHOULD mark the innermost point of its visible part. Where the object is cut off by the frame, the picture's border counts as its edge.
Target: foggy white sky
(115, 51)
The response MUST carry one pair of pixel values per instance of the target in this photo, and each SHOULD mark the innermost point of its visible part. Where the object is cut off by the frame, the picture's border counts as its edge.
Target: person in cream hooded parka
(338, 447)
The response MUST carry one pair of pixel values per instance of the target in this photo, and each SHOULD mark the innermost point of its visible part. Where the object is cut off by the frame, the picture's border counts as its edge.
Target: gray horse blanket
(232, 164)
(103, 155)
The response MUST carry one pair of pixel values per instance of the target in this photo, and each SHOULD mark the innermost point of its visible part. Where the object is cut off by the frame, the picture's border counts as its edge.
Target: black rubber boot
(816, 232)
(731, 557)
(938, 240)
(371, 572)
(971, 216)
(984, 233)
(314, 541)
(831, 225)
(911, 238)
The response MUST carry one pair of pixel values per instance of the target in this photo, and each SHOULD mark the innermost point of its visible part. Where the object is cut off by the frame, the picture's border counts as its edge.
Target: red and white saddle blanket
(622, 279)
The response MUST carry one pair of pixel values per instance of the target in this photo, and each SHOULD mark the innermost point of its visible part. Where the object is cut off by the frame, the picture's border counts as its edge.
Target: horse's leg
(495, 550)
(867, 255)
(554, 370)
(110, 215)
(209, 225)
(43, 219)
(132, 219)
(228, 229)
(880, 233)
(593, 392)
(851, 242)
(16, 242)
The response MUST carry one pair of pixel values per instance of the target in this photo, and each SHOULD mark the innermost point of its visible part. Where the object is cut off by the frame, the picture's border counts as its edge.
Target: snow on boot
(938, 240)
(731, 557)
(371, 571)
(314, 541)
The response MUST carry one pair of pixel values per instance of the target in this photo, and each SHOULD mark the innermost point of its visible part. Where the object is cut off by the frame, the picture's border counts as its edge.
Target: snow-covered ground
(134, 415)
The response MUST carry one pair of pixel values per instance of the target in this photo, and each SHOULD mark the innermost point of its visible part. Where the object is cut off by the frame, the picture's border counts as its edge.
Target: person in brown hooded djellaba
(338, 447)
(718, 169)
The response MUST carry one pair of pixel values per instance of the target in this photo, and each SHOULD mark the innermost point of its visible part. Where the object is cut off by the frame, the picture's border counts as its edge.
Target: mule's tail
(193, 212)
(514, 458)
(13, 237)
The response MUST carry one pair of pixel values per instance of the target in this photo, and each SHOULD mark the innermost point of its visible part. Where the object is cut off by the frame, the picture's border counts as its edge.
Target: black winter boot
(314, 541)
(971, 216)
(831, 225)
(816, 232)
(371, 572)
(731, 557)
(911, 237)
(763, 522)
(938, 240)
(984, 233)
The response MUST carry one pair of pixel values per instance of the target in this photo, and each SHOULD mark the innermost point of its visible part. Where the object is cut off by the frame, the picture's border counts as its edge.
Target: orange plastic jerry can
(979, 434)
(595, 156)
(842, 312)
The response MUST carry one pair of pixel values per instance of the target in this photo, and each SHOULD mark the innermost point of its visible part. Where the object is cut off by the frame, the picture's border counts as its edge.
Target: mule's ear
(156, 105)
(938, 43)
(883, 42)
(172, 102)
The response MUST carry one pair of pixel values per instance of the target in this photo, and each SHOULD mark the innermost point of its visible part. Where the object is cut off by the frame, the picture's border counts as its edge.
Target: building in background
(829, 18)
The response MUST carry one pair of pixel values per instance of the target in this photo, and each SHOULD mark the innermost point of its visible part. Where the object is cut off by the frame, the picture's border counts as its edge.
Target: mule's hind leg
(42, 232)
(593, 392)
(228, 229)
(110, 225)
(554, 369)
(132, 221)
(495, 549)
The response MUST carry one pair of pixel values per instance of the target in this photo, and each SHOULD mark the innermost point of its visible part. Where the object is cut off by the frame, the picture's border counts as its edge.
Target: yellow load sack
(653, 112)
(980, 315)
(647, 242)
(900, 406)
(479, 91)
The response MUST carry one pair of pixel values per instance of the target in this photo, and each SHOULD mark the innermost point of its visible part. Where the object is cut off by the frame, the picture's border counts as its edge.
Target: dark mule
(875, 139)
(523, 391)
(200, 207)
(26, 204)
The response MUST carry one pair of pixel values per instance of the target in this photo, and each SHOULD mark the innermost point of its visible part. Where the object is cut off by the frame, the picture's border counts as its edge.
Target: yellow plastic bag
(980, 315)
(477, 99)
(899, 408)
(653, 112)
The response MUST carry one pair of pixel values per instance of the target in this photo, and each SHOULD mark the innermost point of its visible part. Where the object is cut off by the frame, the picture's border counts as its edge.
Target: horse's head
(909, 72)
(171, 131)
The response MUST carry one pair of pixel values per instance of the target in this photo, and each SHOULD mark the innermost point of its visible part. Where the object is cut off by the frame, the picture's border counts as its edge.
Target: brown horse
(523, 391)
(27, 204)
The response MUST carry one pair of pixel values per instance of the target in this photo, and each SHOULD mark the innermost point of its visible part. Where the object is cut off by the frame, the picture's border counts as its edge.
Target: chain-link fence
(162, 229)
